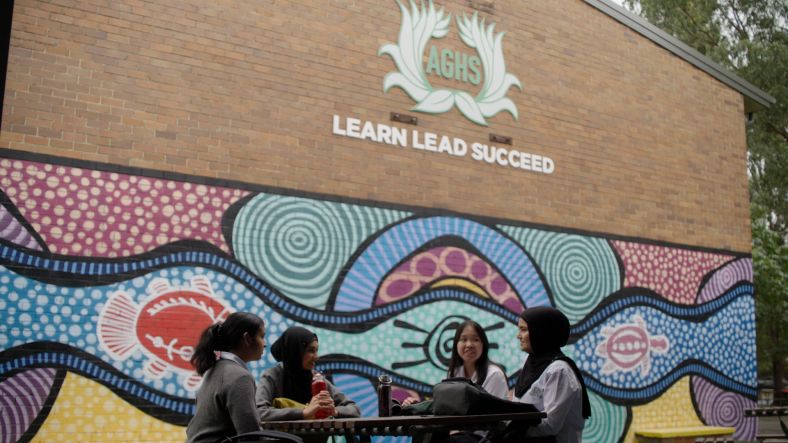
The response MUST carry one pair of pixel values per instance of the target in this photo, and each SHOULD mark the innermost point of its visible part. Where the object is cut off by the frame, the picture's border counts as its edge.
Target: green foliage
(750, 38)
(770, 261)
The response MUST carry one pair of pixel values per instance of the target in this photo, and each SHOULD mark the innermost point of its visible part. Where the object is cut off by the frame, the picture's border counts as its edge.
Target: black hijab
(290, 349)
(548, 330)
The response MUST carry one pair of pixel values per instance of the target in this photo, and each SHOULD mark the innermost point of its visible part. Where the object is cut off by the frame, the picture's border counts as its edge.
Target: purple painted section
(15, 232)
(723, 408)
(725, 277)
(21, 399)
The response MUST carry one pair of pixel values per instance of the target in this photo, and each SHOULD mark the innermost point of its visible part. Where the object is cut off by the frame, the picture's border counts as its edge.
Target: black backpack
(460, 396)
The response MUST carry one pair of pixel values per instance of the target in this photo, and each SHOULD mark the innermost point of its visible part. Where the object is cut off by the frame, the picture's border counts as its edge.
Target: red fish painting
(165, 326)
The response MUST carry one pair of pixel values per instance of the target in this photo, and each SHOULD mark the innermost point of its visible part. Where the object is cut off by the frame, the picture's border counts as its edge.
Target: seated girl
(549, 379)
(225, 400)
(291, 381)
(469, 359)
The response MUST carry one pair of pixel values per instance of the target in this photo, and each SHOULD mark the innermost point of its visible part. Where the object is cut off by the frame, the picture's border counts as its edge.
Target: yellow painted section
(86, 411)
(458, 282)
(673, 409)
(686, 431)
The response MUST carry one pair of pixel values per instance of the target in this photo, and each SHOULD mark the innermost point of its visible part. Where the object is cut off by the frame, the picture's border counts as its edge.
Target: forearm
(344, 406)
(348, 410)
(268, 413)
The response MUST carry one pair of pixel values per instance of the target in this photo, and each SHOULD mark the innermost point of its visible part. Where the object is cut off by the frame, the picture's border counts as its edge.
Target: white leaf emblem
(419, 25)
(440, 100)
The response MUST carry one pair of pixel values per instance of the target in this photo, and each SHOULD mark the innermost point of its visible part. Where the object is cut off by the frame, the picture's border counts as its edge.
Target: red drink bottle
(318, 385)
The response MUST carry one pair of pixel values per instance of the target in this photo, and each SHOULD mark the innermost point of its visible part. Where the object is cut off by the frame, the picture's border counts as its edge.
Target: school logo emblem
(423, 23)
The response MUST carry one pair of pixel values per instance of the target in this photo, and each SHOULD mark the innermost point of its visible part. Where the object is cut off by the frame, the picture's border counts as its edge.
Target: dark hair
(481, 364)
(290, 348)
(223, 336)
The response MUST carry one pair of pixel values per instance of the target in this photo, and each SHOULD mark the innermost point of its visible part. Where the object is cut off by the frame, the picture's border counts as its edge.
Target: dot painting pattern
(674, 406)
(80, 212)
(673, 273)
(91, 411)
(707, 342)
(301, 260)
(440, 263)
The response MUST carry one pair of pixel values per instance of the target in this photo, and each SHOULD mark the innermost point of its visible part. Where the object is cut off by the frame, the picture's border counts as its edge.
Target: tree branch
(781, 132)
(736, 23)
(711, 39)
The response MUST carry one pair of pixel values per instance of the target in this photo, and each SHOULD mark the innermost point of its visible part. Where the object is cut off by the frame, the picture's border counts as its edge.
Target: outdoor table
(768, 411)
(420, 427)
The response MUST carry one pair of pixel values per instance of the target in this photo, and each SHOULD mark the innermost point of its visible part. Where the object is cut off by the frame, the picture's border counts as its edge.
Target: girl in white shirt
(550, 380)
(469, 359)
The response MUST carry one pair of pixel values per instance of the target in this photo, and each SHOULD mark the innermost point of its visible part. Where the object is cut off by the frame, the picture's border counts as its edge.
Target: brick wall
(180, 154)
(644, 144)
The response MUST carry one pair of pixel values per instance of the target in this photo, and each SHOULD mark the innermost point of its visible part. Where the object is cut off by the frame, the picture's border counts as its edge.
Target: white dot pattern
(104, 214)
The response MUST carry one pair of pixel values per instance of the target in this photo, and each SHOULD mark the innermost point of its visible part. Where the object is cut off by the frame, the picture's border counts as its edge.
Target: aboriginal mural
(108, 275)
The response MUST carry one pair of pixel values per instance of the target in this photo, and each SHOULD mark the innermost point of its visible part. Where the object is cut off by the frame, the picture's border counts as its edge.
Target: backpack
(460, 396)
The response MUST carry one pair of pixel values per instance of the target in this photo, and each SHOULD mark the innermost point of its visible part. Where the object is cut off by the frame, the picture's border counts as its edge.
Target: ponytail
(223, 337)
(204, 357)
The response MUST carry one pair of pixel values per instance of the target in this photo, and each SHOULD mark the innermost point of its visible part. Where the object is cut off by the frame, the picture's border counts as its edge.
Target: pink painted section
(440, 263)
(82, 212)
(675, 274)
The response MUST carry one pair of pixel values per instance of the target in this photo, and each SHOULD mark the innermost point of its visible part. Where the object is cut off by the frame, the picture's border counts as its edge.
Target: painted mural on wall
(107, 277)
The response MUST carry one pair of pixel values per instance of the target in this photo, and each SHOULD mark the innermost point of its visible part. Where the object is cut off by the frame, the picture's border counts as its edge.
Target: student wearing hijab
(549, 379)
(291, 379)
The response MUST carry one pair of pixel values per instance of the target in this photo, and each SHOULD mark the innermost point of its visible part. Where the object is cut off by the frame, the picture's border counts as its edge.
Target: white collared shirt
(558, 393)
(224, 355)
(494, 382)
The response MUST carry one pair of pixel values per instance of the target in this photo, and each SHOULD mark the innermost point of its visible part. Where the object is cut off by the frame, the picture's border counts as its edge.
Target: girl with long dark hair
(549, 379)
(225, 400)
(469, 359)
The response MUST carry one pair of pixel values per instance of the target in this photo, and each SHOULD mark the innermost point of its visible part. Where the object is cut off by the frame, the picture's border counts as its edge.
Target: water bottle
(318, 385)
(384, 396)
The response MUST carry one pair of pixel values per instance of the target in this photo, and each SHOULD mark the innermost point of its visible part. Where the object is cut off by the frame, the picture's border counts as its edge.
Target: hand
(410, 400)
(320, 402)
(311, 410)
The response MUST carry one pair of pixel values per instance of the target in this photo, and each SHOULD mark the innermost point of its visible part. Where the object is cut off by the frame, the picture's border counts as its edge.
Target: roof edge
(754, 97)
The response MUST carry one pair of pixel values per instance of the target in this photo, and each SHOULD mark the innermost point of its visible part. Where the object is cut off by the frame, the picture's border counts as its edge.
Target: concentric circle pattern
(32, 386)
(724, 408)
(726, 277)
(608, 422)
(581, 271)
(299, 245)
(13, 231)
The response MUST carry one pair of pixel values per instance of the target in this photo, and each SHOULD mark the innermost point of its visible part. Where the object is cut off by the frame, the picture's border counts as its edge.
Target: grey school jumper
(270, 387)
(225, 403)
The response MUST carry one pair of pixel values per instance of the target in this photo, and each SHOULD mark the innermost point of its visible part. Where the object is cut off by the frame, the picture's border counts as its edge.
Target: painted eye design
(437, 344)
